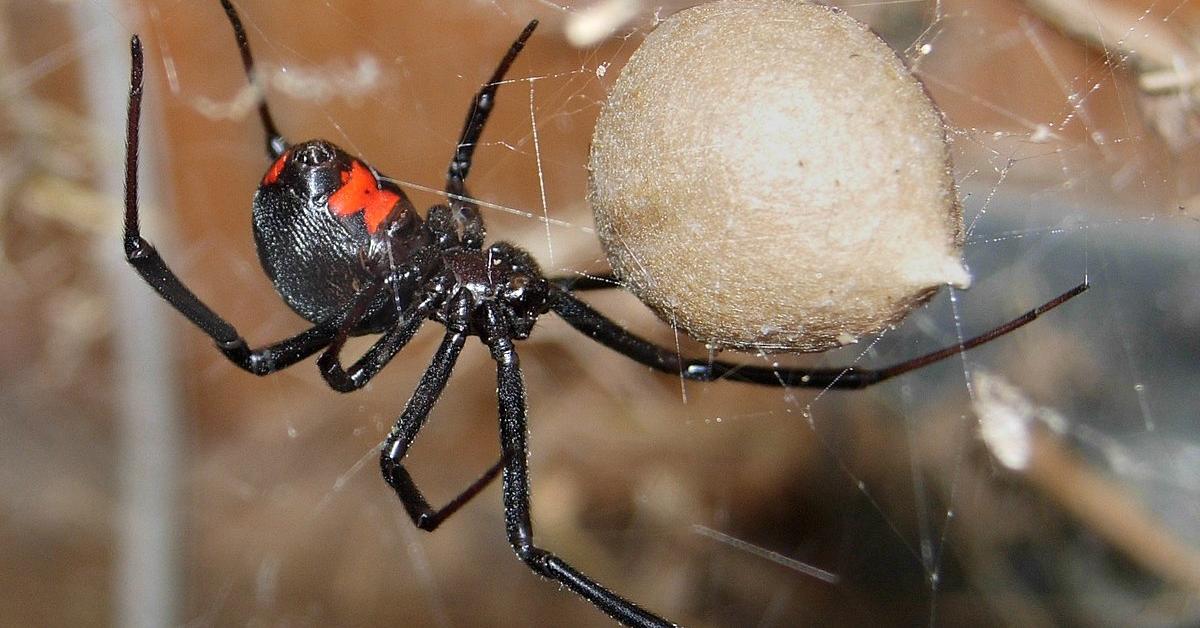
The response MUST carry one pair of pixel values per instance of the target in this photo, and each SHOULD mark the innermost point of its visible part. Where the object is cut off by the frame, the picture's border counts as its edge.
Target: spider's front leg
(150, 265)
(510, 389)
(464, 209)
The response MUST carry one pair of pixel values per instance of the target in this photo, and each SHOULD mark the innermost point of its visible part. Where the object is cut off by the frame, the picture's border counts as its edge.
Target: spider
(347, 251)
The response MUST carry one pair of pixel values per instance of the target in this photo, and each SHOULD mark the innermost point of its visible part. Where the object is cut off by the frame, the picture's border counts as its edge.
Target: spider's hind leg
(149, 264)
(276, 145)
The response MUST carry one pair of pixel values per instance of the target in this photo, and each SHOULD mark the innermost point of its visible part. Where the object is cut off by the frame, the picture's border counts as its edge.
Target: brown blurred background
(276, 514)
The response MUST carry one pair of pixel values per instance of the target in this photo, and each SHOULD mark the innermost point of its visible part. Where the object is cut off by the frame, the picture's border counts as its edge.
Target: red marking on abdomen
(276, 168)
(360, 192)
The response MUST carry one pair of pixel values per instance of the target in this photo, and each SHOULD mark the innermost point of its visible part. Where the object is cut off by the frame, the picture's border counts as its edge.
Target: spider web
(1072, 130)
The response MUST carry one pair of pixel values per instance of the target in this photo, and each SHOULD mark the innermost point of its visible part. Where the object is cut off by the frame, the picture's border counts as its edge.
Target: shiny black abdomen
(317, 261)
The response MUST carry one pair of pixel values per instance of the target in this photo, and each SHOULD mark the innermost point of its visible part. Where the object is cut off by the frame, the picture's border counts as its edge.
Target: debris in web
(1028, 438)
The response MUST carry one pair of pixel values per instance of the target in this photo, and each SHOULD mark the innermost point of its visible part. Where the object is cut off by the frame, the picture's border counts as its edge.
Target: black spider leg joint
(381, 351)
(150, 265)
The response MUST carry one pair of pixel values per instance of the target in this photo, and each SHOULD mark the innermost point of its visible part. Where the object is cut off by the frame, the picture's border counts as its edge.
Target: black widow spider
(346, 250)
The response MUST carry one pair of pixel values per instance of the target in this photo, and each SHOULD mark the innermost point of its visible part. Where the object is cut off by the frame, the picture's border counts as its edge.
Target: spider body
(326, 225)
(347, 251)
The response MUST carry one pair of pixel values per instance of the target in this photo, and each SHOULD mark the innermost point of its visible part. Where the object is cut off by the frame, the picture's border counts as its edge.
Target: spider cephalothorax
(347, 251)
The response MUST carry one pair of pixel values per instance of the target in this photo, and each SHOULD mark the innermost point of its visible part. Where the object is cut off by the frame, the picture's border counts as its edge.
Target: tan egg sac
(768, 175)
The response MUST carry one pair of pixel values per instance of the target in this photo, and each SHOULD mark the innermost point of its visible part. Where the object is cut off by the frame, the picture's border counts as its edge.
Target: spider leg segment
(481, 108)
(513, 436)
(422, 514)
(579, 283)
(596, 326)
(276, 145)
(379, 354)
(464, 210)
(150, 265)
(391, 457)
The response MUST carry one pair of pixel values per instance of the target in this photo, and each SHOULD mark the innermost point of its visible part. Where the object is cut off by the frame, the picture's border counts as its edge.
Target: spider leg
(422, 514)
(378, 355)
(405, 430)
(150, 265)
(581, 282)
(276, 145)
(464, 209)
(511, 394)
(595, 325)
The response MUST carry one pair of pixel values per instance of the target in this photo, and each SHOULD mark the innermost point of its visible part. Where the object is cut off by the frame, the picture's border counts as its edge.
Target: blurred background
(146, 481)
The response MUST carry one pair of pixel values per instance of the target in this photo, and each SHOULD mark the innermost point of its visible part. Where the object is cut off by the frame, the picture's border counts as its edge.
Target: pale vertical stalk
(149, 438)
